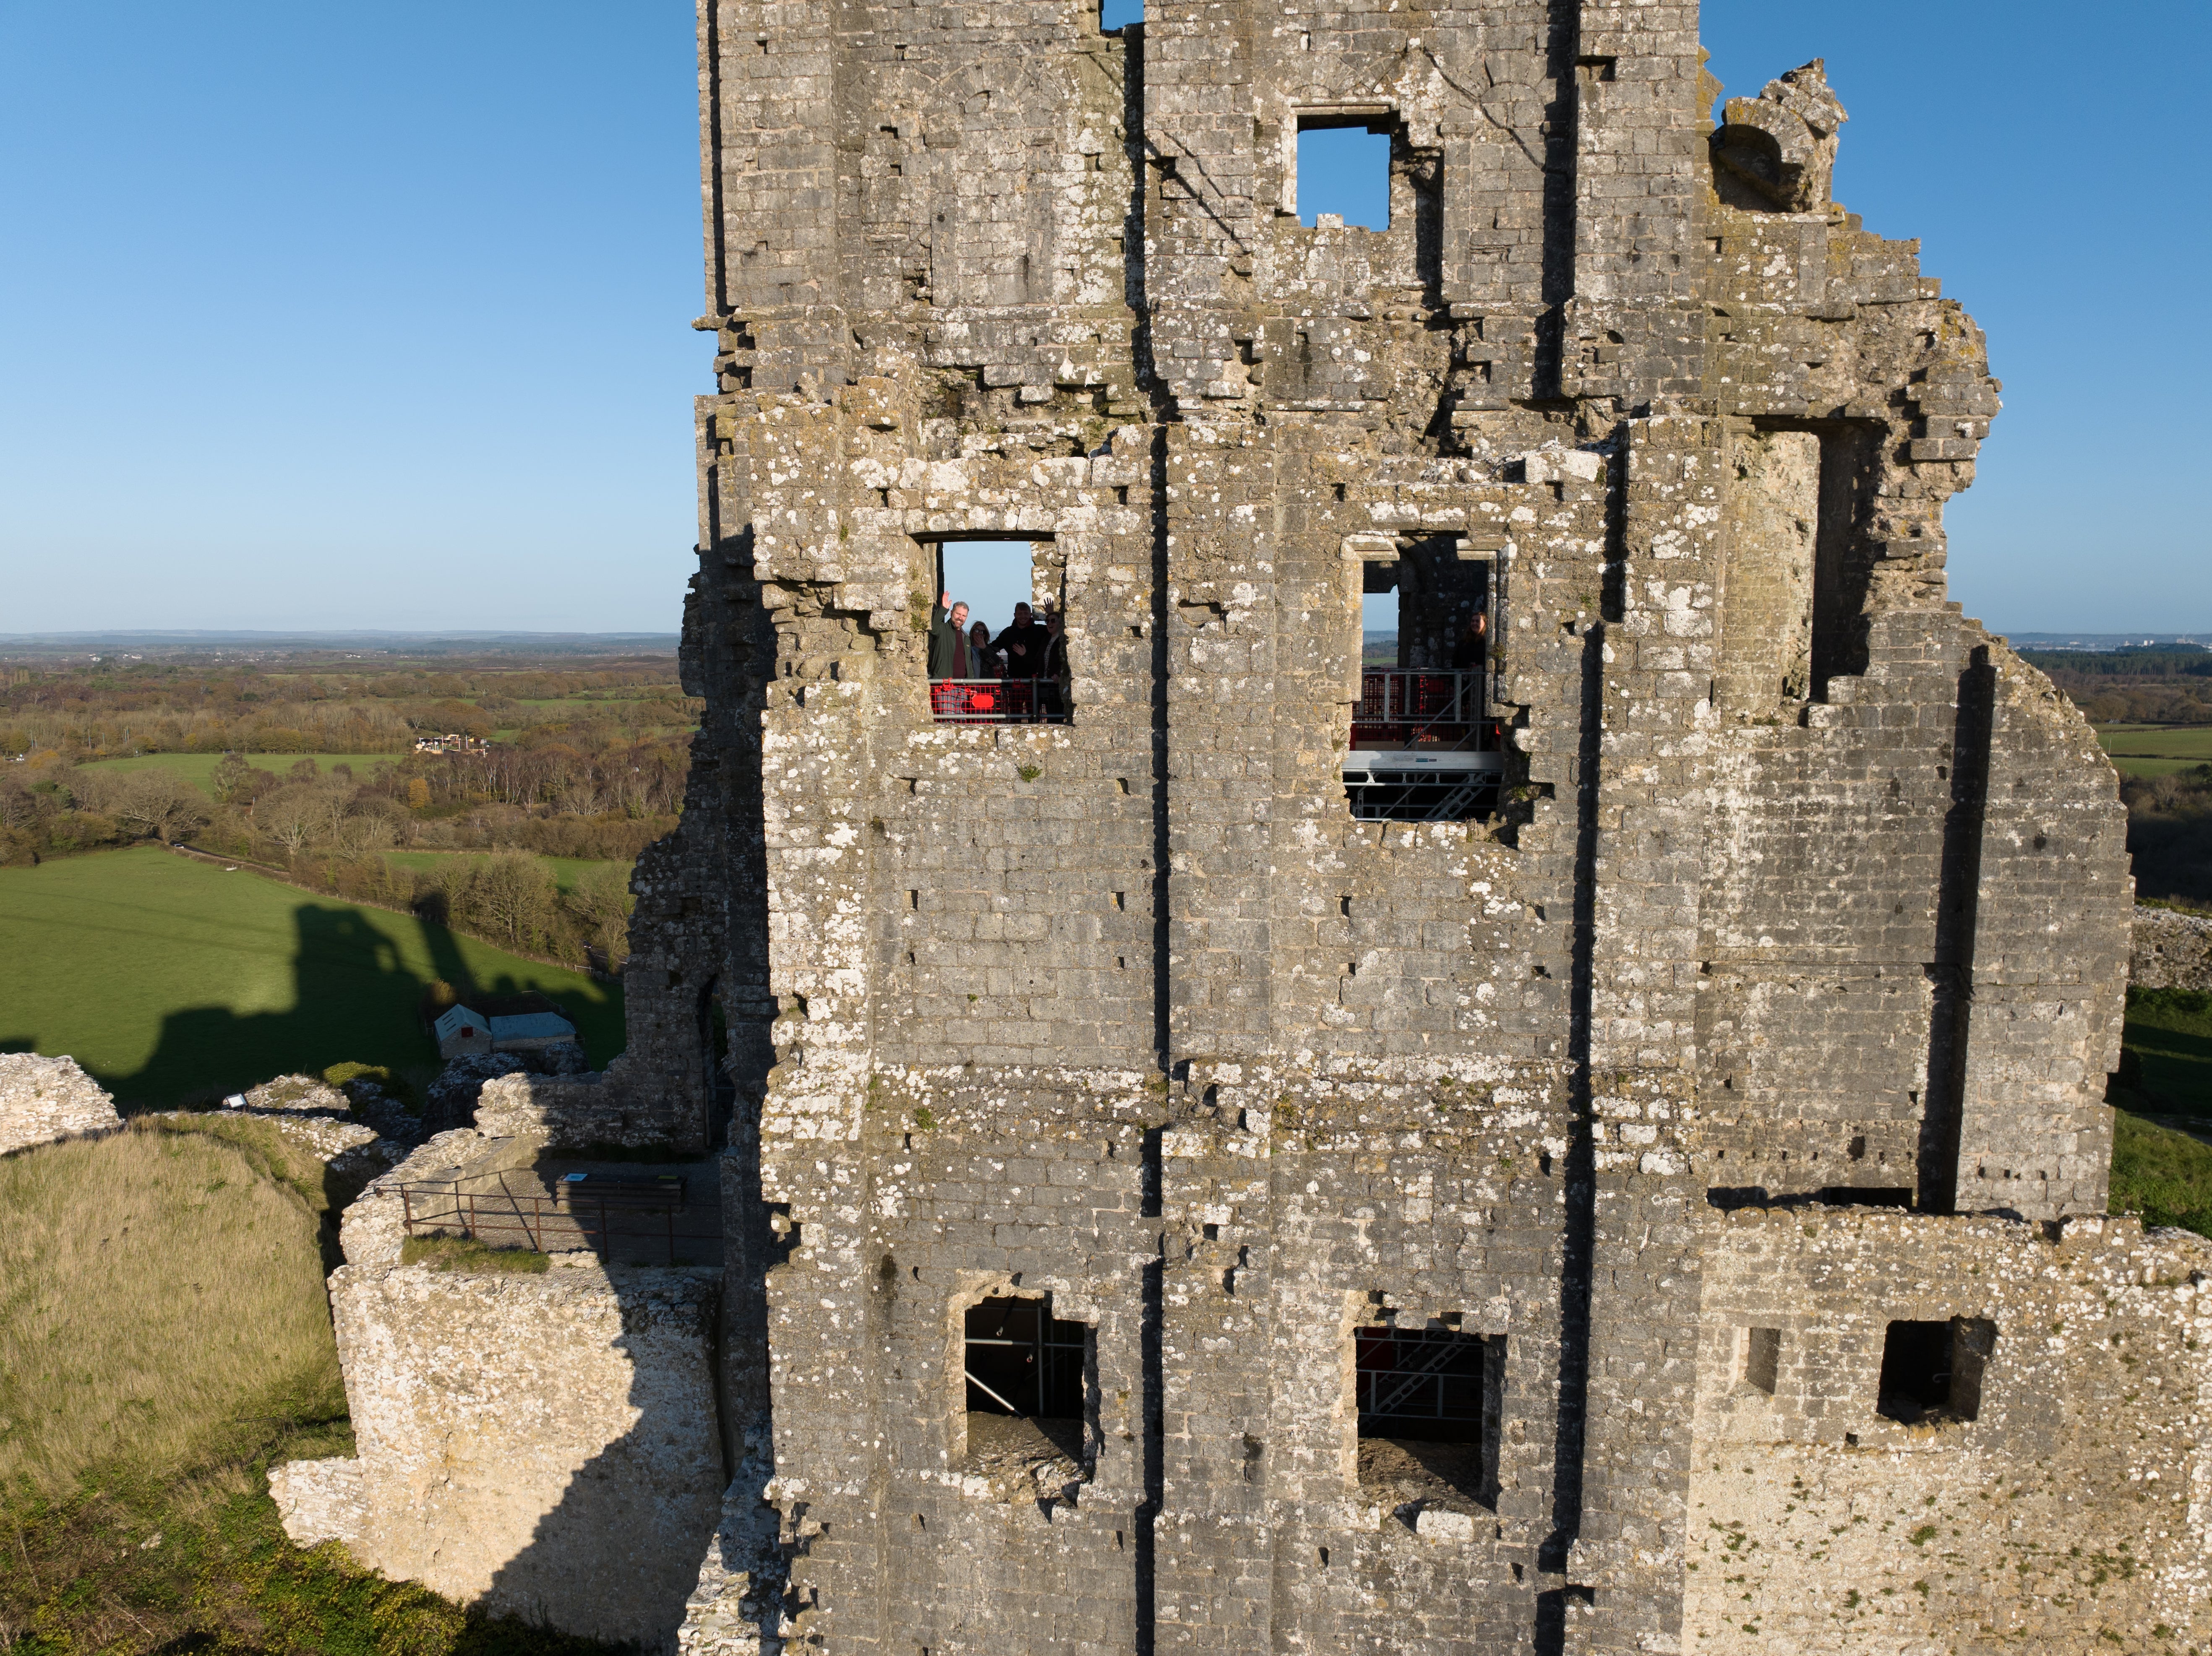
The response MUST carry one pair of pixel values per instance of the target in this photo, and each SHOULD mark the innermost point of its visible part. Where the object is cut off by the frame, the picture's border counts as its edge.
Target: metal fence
(631, 1219)
(996, 702)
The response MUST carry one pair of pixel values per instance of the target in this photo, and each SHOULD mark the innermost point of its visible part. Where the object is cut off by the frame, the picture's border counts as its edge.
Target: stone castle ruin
(1600, 1148)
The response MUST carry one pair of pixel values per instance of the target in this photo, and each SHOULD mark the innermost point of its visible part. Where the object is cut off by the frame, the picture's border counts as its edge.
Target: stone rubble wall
(46, 1099)
(2059, 1518)
(545, 1446)
(576, 1112)
(2171, 951)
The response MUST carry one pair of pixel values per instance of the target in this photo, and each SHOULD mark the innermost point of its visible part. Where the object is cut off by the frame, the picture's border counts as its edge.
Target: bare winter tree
(357, 836)
(19, 807)
(515, 895)
(161, 802)
(291, 816)
(602, 903)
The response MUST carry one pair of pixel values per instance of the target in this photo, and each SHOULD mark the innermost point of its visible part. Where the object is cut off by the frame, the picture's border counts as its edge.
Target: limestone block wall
(1802, 889)
(545, 1444)
(619, 1105)
(44, 1099)
(2059, 1518)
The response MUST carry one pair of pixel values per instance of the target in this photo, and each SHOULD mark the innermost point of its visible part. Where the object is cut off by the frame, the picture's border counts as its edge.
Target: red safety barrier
(982, 701)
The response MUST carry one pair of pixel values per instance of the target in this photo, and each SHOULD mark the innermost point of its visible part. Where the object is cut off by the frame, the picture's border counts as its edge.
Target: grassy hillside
(170, 979)
(2156, 750)
(164, 1338)
(196, 768)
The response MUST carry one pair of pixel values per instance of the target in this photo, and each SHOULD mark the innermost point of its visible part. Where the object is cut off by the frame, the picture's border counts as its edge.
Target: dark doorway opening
(1932, 1372)
(721, 1090)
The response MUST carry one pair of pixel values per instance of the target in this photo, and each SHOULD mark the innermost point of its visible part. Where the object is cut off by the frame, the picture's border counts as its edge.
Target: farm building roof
(533, 1026)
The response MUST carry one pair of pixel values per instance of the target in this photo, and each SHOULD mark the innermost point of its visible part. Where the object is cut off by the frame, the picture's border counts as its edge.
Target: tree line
(84, 715)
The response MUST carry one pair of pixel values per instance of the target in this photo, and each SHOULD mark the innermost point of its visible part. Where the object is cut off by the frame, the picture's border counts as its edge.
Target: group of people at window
(1019, 672)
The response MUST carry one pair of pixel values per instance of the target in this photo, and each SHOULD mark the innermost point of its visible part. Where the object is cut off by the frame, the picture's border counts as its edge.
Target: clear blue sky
(314, 316)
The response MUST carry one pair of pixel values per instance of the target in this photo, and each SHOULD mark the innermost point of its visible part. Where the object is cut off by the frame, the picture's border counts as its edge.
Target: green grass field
(197, 767)
(2160, 1167)
(2157, 749)
(565, 869)
(170, 980)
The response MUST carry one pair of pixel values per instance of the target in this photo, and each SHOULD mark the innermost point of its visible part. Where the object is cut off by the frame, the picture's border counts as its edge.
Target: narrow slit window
(1932, 1372)
(1762, 1358)
(1027, 1379)
(1427, 1401)
(1422, 746)
(1344, 171)
(998, 640)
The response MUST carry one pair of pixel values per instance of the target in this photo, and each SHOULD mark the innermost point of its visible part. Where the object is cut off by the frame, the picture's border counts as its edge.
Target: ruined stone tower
(1699, 1119)
(1596, 1144)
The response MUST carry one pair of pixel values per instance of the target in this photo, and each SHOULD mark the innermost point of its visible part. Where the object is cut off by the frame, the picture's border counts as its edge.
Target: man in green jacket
(951, 655)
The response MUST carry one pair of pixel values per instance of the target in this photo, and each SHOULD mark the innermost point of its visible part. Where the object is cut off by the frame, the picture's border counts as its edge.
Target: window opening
(1762, 1358)
(1427, 1399)
(1116, 14)
(1027, 1375)
(1343, 169)
(1931, 1372)
(1424, 748)
(998, 644)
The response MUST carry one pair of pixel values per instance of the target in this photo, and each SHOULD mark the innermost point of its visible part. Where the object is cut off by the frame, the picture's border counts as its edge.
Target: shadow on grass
(2167, 1051)
(354, 998)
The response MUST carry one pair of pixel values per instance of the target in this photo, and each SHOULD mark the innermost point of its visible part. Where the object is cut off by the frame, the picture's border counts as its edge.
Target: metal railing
(1419, 708)
(1428, 1375)
(606, 1213)
(998, 701)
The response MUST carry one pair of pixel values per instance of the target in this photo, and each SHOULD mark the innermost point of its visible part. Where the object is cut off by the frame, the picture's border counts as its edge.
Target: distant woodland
(2169, 813)
(312, 768)
(589, 761)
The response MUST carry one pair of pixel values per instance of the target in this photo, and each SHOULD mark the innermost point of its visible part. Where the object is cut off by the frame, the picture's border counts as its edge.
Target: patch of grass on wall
(467, 1253)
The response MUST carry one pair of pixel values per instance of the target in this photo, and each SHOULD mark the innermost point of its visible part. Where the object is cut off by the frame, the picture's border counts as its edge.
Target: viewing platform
(1423, 750)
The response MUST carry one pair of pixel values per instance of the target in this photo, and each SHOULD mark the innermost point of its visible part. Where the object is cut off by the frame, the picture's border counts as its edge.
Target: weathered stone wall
(2170, 951)
(2058, 1519)
(1803, 890)
(624, 1105)
(546, 1445)
(44, 1099)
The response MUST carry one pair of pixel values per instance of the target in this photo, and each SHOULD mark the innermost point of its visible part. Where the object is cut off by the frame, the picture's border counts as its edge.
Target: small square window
(1345, 170)
(1026, 1377)
(1427, 1399)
